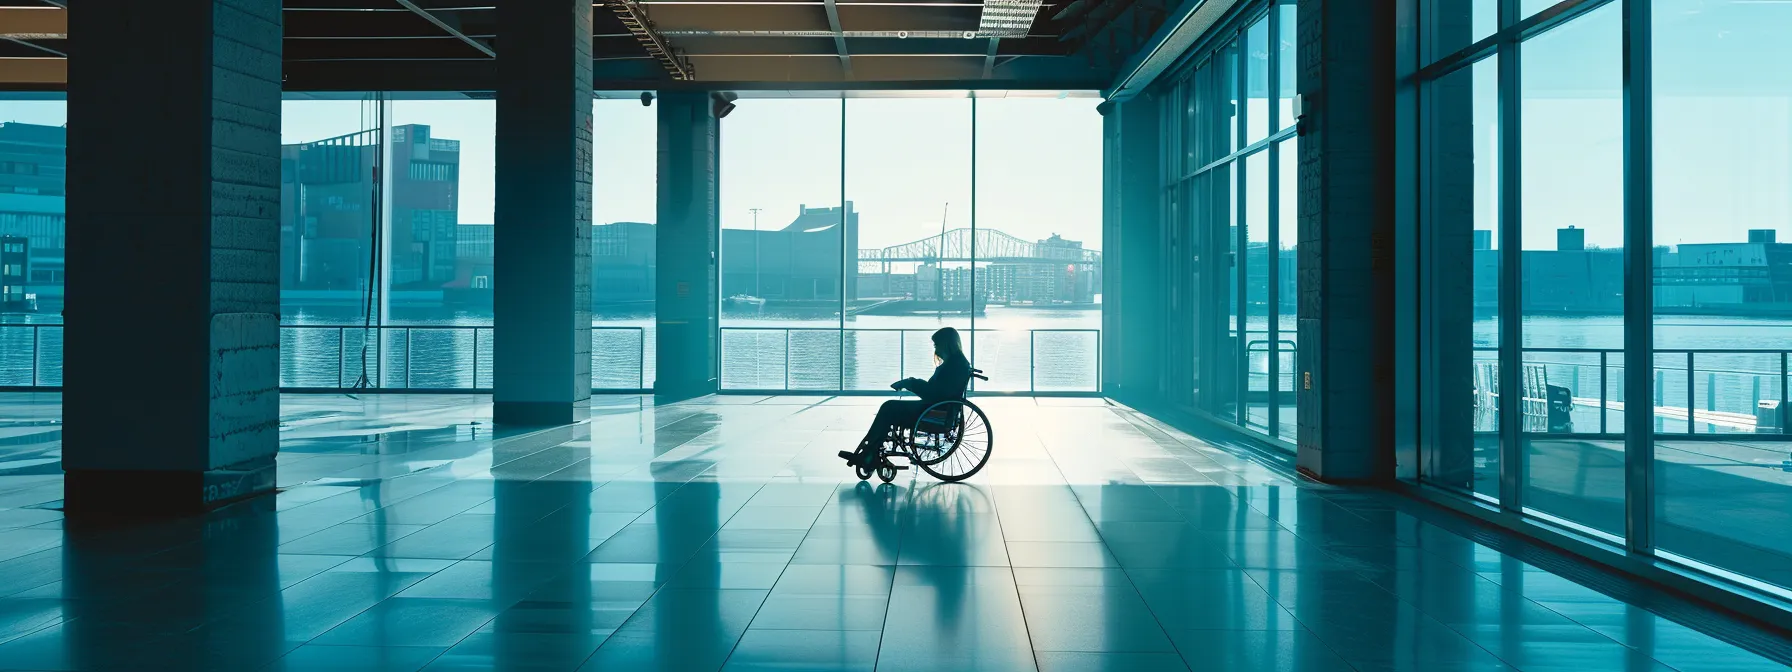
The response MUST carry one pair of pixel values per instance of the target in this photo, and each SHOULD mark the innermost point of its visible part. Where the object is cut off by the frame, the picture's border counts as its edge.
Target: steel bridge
(989, 245)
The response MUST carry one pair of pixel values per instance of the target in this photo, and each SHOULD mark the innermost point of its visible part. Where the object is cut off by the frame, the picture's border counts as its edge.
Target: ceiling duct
(634, 17)
(1007, 18)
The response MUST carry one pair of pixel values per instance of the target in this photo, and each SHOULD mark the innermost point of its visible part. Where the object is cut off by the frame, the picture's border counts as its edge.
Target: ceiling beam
(33, 23)
(839, 38)
(419, 11)
(634, 17)
(34, 72)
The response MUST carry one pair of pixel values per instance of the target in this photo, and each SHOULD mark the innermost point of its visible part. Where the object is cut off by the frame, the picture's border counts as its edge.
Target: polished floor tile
(721, 533)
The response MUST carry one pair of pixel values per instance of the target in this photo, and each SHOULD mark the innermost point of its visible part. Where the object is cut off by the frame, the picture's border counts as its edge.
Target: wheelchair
(951, 441)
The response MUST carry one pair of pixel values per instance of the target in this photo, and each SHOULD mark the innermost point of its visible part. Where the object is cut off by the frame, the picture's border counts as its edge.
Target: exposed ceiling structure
(800, 44)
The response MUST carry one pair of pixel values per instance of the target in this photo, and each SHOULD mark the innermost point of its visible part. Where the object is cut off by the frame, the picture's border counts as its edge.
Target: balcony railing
(1696, 391)
(339, 357)
(823, 359)
(459, 358)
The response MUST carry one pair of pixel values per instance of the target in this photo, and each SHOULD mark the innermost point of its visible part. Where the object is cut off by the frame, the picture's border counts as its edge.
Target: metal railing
(397, 358)
(1696, 390)
(825, 359)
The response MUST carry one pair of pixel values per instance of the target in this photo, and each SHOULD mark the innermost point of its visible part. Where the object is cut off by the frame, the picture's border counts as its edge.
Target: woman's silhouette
(951, 375)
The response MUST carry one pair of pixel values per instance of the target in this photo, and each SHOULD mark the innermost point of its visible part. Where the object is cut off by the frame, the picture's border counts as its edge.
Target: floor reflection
(722, 533)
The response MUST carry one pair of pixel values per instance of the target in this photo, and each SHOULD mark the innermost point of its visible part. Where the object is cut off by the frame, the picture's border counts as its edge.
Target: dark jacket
(949, 380)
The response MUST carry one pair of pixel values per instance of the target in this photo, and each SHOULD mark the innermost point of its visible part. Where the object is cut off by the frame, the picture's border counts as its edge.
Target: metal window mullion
(844, 220)
(1511, 307)
(1241, 86)
(973, 246)
(1639, 304)
(1272, 251)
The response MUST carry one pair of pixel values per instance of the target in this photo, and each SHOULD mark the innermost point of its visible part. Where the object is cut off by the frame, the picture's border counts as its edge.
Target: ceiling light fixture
(1007, 18)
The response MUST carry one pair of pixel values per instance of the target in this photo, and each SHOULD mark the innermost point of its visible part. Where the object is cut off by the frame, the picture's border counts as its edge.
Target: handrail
(297, 367)
(1033, 364)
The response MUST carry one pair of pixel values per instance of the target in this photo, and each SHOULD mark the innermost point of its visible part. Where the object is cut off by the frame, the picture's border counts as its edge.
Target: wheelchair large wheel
(952, 440)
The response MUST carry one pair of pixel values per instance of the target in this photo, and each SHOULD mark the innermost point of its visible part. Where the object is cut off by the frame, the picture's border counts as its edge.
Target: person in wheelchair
(950, 378)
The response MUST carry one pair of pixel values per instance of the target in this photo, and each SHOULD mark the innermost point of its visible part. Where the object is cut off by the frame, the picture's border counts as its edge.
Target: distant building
(1730, 278)
(33, 182)
(623, 264)
(1745, 278)
(15, 263)
(624, 260)
(327, 210)
(1571, 239)
(801, 261)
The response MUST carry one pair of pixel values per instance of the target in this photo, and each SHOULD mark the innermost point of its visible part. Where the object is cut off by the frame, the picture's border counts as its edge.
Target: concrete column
(171, 387)
(1346, 229)
(541, 366)
(1133, 235)
(687, 235)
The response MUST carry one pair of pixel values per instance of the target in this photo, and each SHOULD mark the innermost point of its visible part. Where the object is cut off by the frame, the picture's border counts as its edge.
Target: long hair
(945, 344)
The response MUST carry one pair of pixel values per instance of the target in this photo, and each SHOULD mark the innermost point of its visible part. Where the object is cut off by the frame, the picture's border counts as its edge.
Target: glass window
(1226, 78)
(782, 245)
(1287, 341)
(624, 202)
(1042, 327)
(908, 179)
(1572, 263)
(1287, 62)
(1256, 257)
(1455, 24)
(33, 149)
(1528, 7)
(1461, 140)
(328, 150)
(1723, 281)
(1257, 93)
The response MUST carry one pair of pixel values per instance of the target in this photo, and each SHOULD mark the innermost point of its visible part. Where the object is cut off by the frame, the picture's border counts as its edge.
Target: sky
(908, 160)
(1722, 143)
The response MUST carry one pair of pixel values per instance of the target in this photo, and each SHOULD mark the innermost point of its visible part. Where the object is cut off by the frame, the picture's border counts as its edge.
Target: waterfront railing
(1697, 391)
(458, 358)
(391, 358)
(821, 359)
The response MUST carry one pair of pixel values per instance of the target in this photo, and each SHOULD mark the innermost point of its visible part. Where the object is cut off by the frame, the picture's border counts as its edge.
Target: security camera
(646, 98)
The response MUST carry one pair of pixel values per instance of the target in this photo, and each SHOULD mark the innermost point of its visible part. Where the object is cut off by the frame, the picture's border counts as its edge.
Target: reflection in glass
(1573, 270)
(1723, 234)
(1286, 342)
(1256, 83)
(1458, 23)
(1461, 140)
(1287, 62)
(1256, 289)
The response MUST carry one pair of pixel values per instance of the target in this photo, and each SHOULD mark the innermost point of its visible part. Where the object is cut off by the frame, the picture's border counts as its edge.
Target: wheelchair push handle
(978, 374)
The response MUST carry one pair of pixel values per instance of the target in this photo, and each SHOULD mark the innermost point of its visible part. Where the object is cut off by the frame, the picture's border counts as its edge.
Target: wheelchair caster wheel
(863, 473)
(886, 473)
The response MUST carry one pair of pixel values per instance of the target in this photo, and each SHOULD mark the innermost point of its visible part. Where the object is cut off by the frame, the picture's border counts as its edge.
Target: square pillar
(687, 235)
(1132, 233)
(171, 388)
(541, 356)
(1345, 366)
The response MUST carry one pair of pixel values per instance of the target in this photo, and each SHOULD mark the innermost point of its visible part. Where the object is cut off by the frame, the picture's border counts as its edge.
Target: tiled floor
(724, 534)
